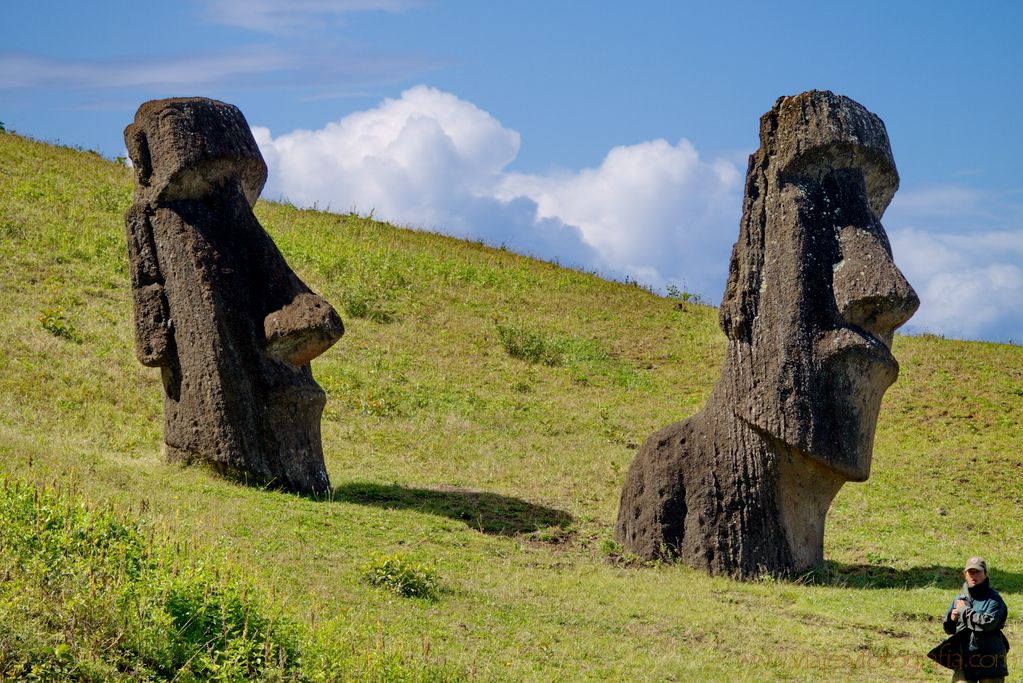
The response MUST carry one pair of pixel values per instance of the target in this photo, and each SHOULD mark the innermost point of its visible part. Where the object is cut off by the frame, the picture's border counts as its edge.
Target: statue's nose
(871, 292)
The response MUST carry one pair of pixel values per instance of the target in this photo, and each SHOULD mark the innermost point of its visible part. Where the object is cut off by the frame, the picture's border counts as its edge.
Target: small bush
(530, 345)
(682, 298)
(367, 303)
(401, 576)
(611, 548)
(614, 553)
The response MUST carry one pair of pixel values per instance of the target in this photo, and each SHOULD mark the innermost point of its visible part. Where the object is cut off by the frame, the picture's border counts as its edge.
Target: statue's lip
(846, 341)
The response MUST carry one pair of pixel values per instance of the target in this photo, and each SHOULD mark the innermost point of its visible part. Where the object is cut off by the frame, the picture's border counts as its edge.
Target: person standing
(978, 614)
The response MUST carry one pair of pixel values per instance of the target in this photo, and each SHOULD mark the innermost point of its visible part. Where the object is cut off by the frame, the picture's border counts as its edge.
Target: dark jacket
(983, 618)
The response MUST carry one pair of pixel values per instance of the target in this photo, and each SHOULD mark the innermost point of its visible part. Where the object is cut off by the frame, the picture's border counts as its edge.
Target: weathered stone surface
(216, 306)
(810, 308)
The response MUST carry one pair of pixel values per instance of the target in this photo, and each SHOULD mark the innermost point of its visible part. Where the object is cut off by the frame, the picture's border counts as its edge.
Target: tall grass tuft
(401, 576)
(530, 345)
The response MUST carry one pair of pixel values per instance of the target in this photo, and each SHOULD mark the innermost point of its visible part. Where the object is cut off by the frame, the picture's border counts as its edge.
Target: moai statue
(810, 308)
(217, 308)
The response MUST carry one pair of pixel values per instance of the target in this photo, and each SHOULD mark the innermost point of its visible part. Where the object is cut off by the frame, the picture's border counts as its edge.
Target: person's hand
(960, 605)
(955, 615)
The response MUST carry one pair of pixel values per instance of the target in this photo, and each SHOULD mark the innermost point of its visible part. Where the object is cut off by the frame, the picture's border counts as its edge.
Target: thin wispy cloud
(285, 58)
(319, 70)
(20, 70)
(956, 208)
(270, 16)
(936, 204)
(939, 200)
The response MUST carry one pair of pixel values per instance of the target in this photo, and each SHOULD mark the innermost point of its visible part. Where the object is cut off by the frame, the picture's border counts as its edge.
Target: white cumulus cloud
(654, 211)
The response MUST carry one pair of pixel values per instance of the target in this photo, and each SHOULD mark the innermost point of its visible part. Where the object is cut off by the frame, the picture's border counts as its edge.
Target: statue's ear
(742, 290)
(731, 316)
(138, 151)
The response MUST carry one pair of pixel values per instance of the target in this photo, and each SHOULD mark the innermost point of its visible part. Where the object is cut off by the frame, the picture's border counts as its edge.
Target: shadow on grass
(487, 512)
(879, 576)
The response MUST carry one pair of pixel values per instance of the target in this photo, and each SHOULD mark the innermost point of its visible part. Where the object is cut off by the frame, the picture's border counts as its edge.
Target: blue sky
(601, 135)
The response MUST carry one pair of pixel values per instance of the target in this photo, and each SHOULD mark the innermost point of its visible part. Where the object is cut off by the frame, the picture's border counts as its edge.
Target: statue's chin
(855, 369)
(852, 371)
(851, 465)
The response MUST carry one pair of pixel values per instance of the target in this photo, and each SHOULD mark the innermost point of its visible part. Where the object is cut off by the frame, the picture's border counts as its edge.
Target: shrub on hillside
(365, 302)
(401, 576)
(530, 345)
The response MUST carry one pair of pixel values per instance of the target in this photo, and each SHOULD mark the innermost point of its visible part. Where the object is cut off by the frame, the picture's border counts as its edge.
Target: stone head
(813, 295)
(185, 148)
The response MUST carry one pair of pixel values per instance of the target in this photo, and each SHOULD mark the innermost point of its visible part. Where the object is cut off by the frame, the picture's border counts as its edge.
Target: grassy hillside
(482, 410)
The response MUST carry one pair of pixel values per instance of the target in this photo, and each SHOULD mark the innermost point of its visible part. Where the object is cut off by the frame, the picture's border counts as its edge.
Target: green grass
(86, 596)
(495, 469)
